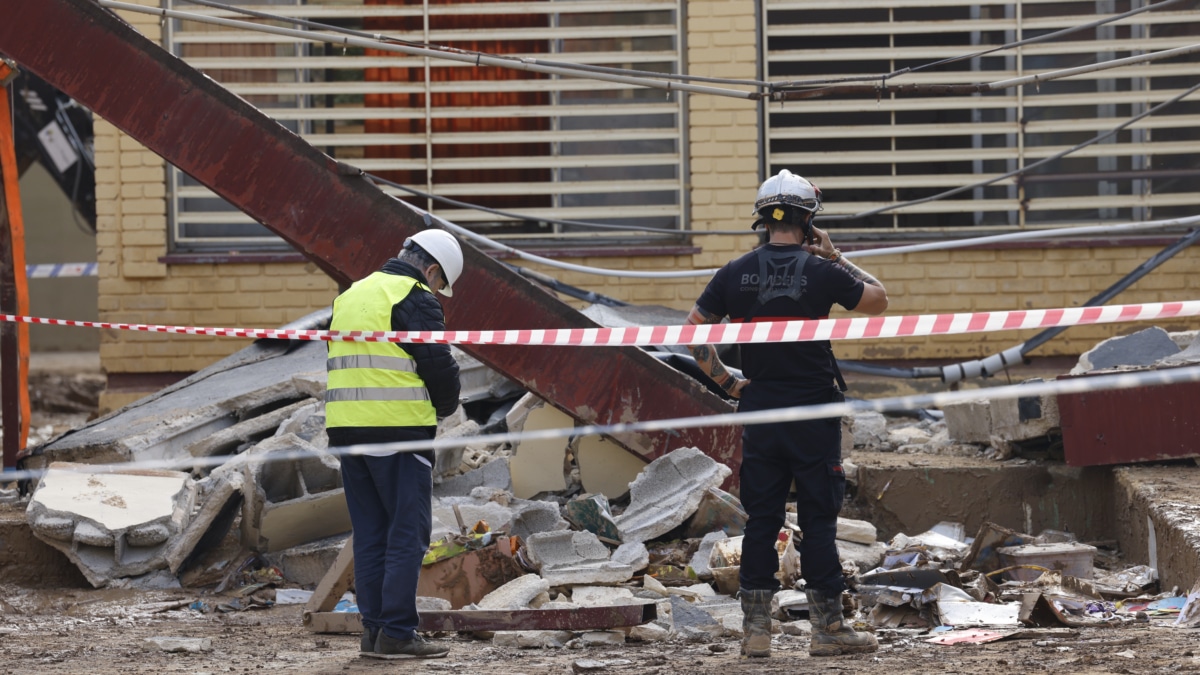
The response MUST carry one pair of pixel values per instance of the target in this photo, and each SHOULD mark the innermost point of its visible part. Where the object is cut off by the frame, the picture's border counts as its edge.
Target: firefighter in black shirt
(798, 274)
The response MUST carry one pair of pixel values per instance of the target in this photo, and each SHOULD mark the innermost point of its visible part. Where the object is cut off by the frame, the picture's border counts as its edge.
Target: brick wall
(136, 287)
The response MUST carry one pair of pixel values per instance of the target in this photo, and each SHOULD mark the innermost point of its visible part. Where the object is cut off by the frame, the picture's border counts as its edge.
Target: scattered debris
(668, 492)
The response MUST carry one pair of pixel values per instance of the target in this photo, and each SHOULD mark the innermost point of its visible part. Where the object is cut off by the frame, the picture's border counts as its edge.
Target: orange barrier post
(14, 293)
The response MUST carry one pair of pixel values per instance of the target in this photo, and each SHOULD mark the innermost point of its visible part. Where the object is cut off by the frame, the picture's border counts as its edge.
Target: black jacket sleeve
(435, 364)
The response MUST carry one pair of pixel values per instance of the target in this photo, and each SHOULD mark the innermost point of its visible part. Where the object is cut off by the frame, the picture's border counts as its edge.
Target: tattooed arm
(706, 357)
(874, 299)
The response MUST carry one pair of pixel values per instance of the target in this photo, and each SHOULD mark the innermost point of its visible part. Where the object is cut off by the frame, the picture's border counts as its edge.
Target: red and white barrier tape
(733, 333)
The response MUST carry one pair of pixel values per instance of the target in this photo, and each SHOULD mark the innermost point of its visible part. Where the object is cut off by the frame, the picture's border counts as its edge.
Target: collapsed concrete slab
(111, 524)
(258, 380)
(570, 558)
(667, 492)
(1142, 348)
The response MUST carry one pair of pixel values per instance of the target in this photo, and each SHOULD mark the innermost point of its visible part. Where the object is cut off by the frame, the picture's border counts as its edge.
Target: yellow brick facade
(136, 287)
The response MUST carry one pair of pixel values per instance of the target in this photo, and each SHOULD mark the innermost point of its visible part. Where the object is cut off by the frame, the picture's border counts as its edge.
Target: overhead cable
(473, 58)
(1041, 162)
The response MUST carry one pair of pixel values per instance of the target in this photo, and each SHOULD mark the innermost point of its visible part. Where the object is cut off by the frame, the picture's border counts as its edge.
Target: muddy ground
(103, 631)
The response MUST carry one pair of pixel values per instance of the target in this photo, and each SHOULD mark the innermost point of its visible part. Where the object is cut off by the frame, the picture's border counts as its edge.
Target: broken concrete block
(857, 531)
(1024, 418)
(602, 638)
(425, 604)
(516, 594)
(602, 596)
(732, 624)
(700, 560)
(969, 422)
(718, 510)
(865, 557)
(798, 628)
(869, 429)
(218, 496)
(649, 632)
(532, 639)
(532, 517)
(448, 456)
(538, 465)
(592, 513)
(606, 468)
(497, 516)
(184, 645)
(667, 492)
(111, 524)
(290, 501)
(786, 601)
(911, 435)
(494, 474)
(1142, 348)
(686, 615)
(574, 558)
(635, 555)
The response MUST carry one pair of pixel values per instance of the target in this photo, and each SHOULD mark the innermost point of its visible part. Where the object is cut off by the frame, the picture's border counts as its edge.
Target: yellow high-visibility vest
(374, 384)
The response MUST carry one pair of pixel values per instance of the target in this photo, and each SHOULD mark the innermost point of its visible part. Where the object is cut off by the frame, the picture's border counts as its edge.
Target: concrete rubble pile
(255, 500)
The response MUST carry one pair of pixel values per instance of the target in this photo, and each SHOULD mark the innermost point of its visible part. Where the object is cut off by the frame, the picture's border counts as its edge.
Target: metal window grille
(538, 145)
(866, 152)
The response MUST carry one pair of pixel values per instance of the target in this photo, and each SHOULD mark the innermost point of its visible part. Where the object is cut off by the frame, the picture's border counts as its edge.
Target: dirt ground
(104, 631)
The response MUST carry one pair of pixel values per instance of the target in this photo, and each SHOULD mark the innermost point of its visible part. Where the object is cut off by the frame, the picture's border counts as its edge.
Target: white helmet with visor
(786, 198)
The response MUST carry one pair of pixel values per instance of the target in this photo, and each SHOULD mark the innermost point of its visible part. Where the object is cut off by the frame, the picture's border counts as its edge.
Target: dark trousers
(389, 502)
(772, 456)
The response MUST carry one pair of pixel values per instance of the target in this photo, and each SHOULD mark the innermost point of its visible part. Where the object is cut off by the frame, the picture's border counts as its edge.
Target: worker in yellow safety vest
(385, 392)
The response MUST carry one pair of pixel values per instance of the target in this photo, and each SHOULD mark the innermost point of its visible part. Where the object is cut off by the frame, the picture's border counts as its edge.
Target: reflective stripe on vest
(374, 384)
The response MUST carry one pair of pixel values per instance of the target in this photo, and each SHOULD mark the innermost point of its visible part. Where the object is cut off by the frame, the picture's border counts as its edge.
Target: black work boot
(830, 634)
(756, 622)
(388, 647)
(368, 640)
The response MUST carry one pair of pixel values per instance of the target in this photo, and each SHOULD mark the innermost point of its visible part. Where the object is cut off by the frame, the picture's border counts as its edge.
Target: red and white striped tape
(733, 333)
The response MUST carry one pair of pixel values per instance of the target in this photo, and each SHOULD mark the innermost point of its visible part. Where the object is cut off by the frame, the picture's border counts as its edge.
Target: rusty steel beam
(1130, 426)
(580, 618)
(333, 215)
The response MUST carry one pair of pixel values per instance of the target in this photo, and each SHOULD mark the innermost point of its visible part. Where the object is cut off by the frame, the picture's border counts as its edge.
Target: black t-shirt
(798, 367)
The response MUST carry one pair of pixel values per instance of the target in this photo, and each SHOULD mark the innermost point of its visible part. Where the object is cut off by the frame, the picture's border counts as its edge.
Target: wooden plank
(335, 582)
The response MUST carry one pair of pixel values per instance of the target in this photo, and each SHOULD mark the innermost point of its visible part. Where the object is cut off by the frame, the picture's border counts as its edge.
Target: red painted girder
(338, 219)
(1127, 426)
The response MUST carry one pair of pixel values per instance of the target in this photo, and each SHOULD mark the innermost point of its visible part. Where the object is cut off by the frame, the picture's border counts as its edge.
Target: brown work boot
(756, 622)
(830, 634)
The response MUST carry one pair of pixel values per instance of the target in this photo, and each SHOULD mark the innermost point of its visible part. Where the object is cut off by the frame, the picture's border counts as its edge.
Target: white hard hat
(786, 189)
(445, 250)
